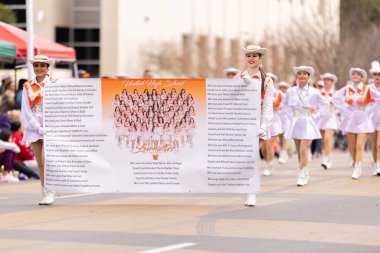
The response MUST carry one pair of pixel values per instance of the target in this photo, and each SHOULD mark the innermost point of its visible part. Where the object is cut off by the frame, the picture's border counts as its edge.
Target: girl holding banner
(253, 55)
(32, 117)
(303, 104)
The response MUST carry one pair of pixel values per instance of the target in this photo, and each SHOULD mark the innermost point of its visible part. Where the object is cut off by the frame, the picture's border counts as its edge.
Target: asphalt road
(332, 214)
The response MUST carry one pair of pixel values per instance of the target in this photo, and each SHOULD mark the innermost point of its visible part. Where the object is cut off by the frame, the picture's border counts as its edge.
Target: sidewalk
(332, 214)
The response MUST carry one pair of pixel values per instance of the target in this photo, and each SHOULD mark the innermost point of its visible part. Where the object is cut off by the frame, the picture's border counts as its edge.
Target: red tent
(42, 46)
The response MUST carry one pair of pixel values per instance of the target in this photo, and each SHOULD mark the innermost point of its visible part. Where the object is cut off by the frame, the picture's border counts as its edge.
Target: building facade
(175, 38)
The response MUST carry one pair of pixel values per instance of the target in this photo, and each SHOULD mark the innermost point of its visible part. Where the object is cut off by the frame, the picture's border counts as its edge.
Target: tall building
(174, 38)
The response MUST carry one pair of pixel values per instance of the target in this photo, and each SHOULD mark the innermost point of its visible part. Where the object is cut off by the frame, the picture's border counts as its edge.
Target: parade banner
(152, 135)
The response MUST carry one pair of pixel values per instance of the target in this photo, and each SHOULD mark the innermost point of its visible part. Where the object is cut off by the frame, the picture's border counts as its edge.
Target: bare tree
(165, 58)
(315, 41)
(7, 15)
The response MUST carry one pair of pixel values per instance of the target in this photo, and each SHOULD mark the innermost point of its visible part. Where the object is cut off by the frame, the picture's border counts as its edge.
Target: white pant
(32, 164)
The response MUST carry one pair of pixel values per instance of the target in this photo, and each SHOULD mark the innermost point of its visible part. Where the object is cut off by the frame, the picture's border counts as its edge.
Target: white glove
(41, 131)
(247, 80)
(262, 133)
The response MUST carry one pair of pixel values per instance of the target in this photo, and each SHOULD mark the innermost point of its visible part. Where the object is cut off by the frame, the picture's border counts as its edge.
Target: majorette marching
(304, 113)
(354, 102)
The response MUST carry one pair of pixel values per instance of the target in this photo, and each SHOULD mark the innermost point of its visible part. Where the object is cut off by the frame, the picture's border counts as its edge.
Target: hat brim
(332, 77)
(374, 71)
(283, 85)
(361, 71)
(50, 62)
(227, 71)
(309, 70)
(261, 51)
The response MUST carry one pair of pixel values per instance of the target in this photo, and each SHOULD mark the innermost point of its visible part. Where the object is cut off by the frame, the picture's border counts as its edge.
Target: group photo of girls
(154, 119)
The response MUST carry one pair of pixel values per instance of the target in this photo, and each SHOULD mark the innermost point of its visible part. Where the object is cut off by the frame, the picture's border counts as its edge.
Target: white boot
(283, 157)
(268, 170)
(374, 166)
(42, 202)
(306, 175)
(378, 168)
(302, 177)
(329, 161)
(357, 171)
(250, 199)
(48, 197)
(325, 162)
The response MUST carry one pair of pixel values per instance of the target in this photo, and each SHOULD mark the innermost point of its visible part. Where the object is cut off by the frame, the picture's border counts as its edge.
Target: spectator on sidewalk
(19, 93)
(7, 156)
(25, 162)
(6, 104)
(7, 85)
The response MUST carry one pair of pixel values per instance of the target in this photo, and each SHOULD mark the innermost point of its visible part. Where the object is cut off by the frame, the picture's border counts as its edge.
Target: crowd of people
(16, 156)
(301, 112)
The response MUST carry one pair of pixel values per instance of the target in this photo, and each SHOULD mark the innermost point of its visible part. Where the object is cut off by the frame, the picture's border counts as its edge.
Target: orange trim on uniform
(277, 100)
(329, 95)
(35, 88)
(365, 95)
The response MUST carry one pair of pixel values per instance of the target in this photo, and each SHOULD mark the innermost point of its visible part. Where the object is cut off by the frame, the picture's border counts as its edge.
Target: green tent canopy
(7, 50)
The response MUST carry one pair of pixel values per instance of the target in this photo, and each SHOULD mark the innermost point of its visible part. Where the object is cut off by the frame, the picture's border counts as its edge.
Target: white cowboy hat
(361, 71)
(5, 76)
(329, 76)
(283, 84)
(254, 49)
(121, 75)
(375, 67)
(230, 70)
(307, 69)
(273, 76)
(320, 83)
(42, 58)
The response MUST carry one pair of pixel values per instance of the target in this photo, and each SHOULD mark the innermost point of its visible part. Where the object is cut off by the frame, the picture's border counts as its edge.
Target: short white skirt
(120, 131)
(328, 121)
(285, 122)
(375, 117)
(276, 126)
(304, 128)
(356, 121)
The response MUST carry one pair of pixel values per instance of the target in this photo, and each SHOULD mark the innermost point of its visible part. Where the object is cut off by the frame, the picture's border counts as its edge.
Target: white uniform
(266, 102)
(166, 135)
(302, 106)
(276, 127)
(157, 133)
(119, 129)
(328, 119)
(145, 135)
(354, 103)
(31, 109)
(375, 111)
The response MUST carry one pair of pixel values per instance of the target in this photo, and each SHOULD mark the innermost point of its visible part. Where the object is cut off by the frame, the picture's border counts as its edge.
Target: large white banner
(156, 135)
